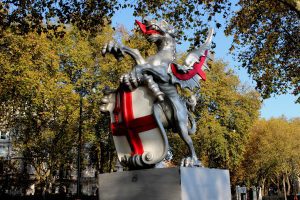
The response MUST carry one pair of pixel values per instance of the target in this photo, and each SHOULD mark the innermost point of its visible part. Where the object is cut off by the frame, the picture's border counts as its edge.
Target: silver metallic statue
(147, 101)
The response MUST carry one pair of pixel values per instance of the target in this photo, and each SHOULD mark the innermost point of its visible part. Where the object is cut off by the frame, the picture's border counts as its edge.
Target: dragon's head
(156, 31)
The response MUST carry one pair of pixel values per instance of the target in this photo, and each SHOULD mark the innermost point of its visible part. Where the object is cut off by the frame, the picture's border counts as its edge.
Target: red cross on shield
(133, 125)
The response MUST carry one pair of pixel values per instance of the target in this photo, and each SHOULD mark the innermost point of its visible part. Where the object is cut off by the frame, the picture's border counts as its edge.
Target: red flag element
(197, 69)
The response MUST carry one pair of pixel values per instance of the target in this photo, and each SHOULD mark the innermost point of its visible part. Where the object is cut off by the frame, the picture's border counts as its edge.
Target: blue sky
(275, 106)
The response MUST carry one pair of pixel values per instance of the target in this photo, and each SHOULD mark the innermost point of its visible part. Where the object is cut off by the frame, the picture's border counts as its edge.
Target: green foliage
(42, 80)
(38, 106)
(185, 14)
(266, 42)
(227, 112)
(273, 152)
(52, 16)
(266, 33)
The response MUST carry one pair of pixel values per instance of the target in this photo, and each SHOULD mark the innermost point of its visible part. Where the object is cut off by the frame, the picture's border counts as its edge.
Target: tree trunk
(102, 161)
(298, 184)
(263, 191)
(288, 185)
(110, 162)
(284, 187)
(262, 187)
(278, 185)
(111, 152)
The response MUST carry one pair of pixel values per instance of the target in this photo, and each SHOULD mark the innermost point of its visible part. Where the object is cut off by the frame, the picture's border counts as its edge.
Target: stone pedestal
(166, 184)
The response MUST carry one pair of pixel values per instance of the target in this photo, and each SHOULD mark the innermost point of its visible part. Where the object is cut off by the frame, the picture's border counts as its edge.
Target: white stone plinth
(166, 184)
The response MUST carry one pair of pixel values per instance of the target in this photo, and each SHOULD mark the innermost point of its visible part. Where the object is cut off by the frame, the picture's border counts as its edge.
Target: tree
(272, 154)
(266, 34)
(43, 82)
(44, 15)
(40, 104)
(51, 15)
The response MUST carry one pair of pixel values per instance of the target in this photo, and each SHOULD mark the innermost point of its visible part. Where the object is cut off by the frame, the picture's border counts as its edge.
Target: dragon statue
(147, 102)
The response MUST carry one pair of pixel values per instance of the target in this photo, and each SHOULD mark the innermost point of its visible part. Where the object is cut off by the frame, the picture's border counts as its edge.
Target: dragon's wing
(189, 75)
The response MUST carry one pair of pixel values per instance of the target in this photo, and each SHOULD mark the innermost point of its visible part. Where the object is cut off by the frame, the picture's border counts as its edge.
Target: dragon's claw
(191, 162)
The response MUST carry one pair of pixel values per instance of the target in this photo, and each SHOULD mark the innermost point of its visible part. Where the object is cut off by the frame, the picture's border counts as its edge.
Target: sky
(276, 106)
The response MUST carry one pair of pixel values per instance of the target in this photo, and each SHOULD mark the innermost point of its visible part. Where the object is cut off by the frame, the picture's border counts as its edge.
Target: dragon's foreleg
(119, 51)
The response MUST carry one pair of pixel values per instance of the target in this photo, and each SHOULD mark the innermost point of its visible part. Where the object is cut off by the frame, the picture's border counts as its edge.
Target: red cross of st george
(130, 126)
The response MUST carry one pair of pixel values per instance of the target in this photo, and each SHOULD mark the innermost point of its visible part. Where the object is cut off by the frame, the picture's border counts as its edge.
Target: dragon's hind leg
(192, 160)
(179, 121)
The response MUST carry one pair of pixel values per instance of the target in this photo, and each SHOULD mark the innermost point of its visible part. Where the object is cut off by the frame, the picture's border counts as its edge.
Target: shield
(138, 134)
